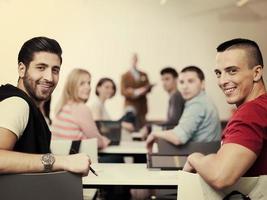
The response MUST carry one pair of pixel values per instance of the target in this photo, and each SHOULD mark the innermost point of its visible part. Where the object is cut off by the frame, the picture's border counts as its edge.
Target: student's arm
(85, 120)
(190, 120)
(223, 168)
(16, 162)
(169, 136)
(132, 93)
(12, 125)
(188, 124)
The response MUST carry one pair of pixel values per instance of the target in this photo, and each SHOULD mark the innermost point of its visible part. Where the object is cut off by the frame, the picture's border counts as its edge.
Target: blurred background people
(73, 118)
(169, 78)
(106, 89)
(134, 87)
(200, 120)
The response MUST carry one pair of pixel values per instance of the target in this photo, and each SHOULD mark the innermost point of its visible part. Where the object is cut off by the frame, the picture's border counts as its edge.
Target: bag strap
(75, 146)
(236, 193)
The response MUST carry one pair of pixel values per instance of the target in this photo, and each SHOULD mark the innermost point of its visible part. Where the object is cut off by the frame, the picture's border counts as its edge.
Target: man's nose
(223, 79)
(48, 75)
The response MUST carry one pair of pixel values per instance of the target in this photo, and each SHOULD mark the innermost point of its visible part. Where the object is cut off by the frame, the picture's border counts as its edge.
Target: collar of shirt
(135, 73)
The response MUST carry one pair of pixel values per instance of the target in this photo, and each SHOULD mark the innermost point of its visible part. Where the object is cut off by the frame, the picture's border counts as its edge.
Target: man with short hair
(199, 121)
(239, 69)
(169, 78)
(24, 134)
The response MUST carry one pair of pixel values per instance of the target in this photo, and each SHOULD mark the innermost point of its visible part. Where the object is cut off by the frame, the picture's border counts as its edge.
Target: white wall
(100, 35)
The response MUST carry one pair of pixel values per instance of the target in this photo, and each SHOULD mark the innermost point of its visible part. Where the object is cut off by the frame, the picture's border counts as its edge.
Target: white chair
(88, 146)
(254, 187)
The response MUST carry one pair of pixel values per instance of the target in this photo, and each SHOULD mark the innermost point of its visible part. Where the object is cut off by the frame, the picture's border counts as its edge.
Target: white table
(132, 175)
(128, 148)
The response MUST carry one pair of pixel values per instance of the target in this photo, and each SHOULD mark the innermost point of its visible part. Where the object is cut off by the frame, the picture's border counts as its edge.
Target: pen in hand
(92, 170)
(73, 151)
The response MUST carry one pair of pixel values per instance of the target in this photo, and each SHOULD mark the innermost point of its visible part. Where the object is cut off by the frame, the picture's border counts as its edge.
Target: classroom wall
(101, 35)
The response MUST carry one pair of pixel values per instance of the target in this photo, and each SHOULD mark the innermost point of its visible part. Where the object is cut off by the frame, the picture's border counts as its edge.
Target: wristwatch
(48, 160)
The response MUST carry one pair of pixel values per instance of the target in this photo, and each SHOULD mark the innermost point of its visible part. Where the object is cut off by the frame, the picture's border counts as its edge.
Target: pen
(73, 151)
(92, 170)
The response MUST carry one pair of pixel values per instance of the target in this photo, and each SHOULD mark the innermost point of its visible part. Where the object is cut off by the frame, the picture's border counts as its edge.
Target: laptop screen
(110, 129)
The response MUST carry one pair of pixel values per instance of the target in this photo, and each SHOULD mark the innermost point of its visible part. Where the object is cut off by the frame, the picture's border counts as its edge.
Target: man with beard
(239, 69)
(24, 134)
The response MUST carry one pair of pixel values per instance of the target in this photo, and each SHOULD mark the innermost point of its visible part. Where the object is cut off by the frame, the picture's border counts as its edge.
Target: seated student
(105, 89)
(199, 121)
(73, 118)
(24, 134)
(239, 69)
(169, 78)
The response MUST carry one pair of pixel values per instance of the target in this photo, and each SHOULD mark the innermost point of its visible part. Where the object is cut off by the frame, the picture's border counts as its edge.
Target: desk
(132, 175)
(128, 148)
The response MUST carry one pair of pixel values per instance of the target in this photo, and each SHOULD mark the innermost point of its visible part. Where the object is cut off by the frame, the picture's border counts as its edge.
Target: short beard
(27, 84)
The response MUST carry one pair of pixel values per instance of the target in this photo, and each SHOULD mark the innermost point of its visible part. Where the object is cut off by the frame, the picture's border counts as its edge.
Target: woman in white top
(105, 89)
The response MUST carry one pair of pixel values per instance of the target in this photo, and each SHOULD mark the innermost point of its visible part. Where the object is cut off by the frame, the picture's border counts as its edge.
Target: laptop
(110, 129)
(165, 162)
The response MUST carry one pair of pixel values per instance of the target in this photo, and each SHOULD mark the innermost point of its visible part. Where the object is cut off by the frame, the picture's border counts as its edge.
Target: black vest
(36, 136)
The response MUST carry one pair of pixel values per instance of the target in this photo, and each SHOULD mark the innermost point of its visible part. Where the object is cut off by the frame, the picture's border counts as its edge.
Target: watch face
(48, 159)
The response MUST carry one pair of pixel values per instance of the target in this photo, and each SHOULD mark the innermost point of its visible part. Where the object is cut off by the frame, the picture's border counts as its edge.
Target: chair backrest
(41, 186)
(88, 146)
(254, 187)
(166, 148)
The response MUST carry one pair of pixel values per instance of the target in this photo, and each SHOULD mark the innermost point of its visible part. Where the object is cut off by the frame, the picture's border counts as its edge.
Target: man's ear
(258, 70)
(21, 70)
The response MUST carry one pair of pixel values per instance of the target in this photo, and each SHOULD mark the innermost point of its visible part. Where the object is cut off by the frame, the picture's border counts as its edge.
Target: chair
(254, 187)
(88, 146)
(166, 148)
(41, 186)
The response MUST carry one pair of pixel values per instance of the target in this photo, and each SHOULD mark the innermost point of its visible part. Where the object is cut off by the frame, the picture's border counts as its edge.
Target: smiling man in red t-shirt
(239, 69)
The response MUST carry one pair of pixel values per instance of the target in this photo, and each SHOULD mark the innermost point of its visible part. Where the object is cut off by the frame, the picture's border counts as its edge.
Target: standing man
(169, 78)
(134, 87)
(24, 134)
(199, 121)
(239, 69)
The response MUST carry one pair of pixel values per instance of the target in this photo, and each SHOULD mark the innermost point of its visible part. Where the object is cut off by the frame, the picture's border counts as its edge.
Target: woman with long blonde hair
(73, 118)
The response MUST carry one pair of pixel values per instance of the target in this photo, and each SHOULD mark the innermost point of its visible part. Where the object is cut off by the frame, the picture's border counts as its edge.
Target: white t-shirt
(14, 114)
(99, 111)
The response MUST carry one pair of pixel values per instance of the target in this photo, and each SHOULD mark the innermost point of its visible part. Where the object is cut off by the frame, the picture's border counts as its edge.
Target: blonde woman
(73, 118)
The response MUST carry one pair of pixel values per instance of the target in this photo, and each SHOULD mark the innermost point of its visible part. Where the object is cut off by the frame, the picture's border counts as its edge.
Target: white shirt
(14, 115)
(99, 111)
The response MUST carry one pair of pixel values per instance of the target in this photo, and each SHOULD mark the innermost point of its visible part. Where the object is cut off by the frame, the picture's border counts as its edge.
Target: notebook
(110, 129)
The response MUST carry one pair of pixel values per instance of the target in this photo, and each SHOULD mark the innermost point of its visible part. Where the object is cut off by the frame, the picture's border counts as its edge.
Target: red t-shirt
(248, 127)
